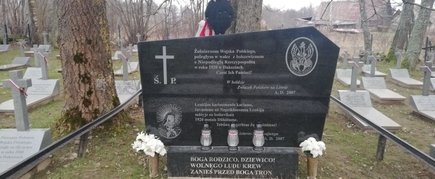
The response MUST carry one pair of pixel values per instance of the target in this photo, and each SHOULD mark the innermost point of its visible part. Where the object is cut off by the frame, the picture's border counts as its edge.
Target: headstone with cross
(35, 56)
(22, 44)
(430, 59)
(356, 67)
(280, 79)
(45, 36)
(22, 142)
(5, 35)
(125, 64)
(43, 60)
(18, 87)
(398, 55)
(138, 37)
(372, 60)
(426, 79)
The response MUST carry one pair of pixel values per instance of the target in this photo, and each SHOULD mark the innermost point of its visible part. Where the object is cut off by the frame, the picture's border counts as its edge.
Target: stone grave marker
(22, 142)
(402, 78)
(281, 79)
(370, 70)
(360, 102)
(125, 65)
(379, 91)
(356, 67)
(17, 62)
(126, 89)
(45, 36)
(33, 73)
(4, 48)
(45, 48)
(374, 83)
(426, 80)
(22, 45)
(398, 59)
(18, 87)
(40, 92)
(5, 35)
(43, 62)
(424, 104)
(31, 53)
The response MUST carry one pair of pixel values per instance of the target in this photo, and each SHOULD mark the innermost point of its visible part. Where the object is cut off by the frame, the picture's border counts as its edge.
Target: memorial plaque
(269, 163)
(281, 79)
(16, 146)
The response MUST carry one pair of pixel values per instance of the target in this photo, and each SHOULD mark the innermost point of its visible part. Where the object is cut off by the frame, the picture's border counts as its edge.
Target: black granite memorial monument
(280, 79)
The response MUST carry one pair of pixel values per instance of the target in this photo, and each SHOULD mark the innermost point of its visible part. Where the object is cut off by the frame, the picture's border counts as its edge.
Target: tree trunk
(405, 26)
(417, 34)
(366, 32)
(33, 21)
(247, 15)
(85, 51)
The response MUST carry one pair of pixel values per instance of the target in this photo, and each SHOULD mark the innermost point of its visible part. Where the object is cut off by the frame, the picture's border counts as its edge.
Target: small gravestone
(17, 62)
(116, 55)
(370, 70)
(426, 80)
(138, 36)
(354, 82)
(374, 83)
(22, 45)
(43, 62)
(33, 73)
(22, 142)
(379, 91)
(402, 78)
(424, 104)
(4, 48)
(281, 79)
(45, 36)
(360, 102)
(398, 59)
(45, 48)
(40, 92)
(126, 89)
(125, 65)
(32, 53)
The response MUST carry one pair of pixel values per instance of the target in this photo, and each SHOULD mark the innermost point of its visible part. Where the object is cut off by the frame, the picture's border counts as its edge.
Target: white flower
(313, 147)
(149, 144)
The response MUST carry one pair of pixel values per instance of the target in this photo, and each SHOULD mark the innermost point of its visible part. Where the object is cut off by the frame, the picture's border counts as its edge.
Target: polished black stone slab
(281, 79)
(272, 162)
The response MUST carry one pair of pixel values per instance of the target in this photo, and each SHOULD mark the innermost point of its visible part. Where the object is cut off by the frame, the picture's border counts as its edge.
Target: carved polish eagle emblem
(301, 56)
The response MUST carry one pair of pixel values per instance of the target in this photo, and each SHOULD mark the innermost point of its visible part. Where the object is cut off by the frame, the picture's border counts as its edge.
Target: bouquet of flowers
(312, 147)
(149, 144)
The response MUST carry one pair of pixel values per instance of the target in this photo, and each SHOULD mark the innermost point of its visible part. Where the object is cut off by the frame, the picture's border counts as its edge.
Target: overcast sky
(298, 4)
(291, 4)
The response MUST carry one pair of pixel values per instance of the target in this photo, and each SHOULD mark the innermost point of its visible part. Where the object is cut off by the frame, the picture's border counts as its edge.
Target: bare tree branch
(419, 5)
